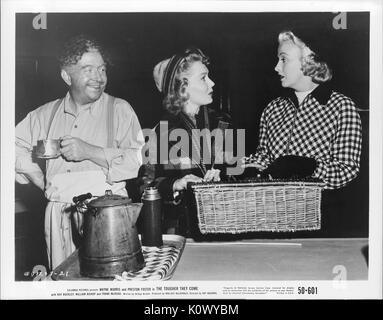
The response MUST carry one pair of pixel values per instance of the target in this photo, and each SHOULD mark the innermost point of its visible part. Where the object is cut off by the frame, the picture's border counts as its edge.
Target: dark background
(242, 48)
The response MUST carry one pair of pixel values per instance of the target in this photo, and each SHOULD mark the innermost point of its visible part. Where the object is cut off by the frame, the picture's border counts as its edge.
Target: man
(100, 147)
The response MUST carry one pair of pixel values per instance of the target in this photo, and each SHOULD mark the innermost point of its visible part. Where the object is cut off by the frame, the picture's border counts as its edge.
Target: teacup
(48, 148)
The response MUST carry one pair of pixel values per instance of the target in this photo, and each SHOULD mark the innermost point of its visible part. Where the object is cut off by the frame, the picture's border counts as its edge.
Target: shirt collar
(94, 107)
(68, 104)
(321, 93)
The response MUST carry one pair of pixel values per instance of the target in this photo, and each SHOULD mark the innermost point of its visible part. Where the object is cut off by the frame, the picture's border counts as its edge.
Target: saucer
(48, 156)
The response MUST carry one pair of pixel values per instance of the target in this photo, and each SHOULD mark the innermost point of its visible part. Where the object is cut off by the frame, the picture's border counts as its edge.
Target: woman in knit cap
(187, 89)
(311, 131)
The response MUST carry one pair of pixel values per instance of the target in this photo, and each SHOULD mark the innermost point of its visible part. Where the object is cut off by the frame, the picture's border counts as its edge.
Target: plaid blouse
(326, 126)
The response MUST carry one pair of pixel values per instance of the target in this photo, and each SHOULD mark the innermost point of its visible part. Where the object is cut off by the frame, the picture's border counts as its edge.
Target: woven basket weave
(258, 206)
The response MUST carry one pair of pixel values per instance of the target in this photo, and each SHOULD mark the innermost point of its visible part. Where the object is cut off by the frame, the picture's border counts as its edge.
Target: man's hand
(75, 149)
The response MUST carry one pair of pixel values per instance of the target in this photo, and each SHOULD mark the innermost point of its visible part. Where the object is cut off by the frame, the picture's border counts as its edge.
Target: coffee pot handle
(82, 198)
(81, 207)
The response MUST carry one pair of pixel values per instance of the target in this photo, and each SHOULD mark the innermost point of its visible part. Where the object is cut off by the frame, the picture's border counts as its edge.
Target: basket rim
(261, 183)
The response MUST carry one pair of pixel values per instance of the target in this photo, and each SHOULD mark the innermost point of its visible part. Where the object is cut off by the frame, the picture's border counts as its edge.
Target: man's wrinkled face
(87, 78)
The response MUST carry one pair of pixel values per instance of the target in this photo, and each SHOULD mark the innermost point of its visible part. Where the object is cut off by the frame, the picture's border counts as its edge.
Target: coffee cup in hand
(48, 148)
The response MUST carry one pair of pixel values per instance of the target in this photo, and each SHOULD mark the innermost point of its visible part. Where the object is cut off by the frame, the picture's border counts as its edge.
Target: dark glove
(286, 167)
(252, 173)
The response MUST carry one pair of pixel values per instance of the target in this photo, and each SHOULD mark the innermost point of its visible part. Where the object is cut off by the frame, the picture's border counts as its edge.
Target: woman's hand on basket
(181, 184)
(212, 175)
(248, 162)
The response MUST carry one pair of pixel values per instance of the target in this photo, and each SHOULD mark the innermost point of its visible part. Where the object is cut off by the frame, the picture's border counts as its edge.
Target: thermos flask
(151, 216)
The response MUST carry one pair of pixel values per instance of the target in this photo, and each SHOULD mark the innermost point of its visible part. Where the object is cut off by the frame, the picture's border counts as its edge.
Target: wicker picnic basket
(263, 205)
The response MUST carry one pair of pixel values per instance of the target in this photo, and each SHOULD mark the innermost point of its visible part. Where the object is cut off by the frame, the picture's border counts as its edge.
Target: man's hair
(75, 47)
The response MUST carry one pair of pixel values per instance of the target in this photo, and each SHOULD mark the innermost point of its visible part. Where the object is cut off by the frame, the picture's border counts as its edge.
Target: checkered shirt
(326, 126)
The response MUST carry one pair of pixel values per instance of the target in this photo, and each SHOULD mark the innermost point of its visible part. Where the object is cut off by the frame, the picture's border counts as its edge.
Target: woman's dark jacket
(179, 214)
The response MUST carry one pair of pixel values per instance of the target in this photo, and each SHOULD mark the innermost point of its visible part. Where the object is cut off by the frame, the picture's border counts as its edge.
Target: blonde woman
(313, 130)
(187, 89)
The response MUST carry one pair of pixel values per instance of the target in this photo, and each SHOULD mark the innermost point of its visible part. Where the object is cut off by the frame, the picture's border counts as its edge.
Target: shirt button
(68, 170)
(75, 126)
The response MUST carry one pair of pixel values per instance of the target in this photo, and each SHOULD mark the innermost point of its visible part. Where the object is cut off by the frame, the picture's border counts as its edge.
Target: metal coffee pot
(110, 243)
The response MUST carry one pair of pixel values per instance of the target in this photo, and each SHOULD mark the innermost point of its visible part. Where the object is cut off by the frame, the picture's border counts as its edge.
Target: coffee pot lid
(109, 200)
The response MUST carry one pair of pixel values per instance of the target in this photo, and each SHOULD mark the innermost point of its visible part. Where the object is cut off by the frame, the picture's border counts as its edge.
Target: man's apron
(60, 192)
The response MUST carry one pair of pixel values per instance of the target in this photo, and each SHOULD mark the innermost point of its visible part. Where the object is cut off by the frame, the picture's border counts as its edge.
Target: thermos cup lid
(151, 193)
(109, 200)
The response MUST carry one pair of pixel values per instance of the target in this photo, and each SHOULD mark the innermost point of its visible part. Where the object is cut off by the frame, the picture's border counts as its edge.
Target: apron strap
(110, 121)
(53, 113)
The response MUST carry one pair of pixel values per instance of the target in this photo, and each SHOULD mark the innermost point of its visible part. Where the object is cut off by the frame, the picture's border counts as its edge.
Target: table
(293, 259)
(298, 259)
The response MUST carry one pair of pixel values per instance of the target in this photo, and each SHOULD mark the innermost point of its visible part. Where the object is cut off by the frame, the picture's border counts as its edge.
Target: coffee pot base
(111, 266)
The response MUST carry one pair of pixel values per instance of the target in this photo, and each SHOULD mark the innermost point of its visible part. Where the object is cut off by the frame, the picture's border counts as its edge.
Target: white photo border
(369, 289)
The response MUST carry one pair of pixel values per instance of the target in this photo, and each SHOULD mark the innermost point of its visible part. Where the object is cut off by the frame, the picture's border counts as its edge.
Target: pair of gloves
(290, 166)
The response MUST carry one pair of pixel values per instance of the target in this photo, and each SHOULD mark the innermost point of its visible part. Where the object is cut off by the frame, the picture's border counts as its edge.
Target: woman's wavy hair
(176, 99)
(312, 65)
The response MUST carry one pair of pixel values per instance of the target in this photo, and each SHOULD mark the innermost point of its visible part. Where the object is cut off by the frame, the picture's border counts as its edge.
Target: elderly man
(101, 142)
